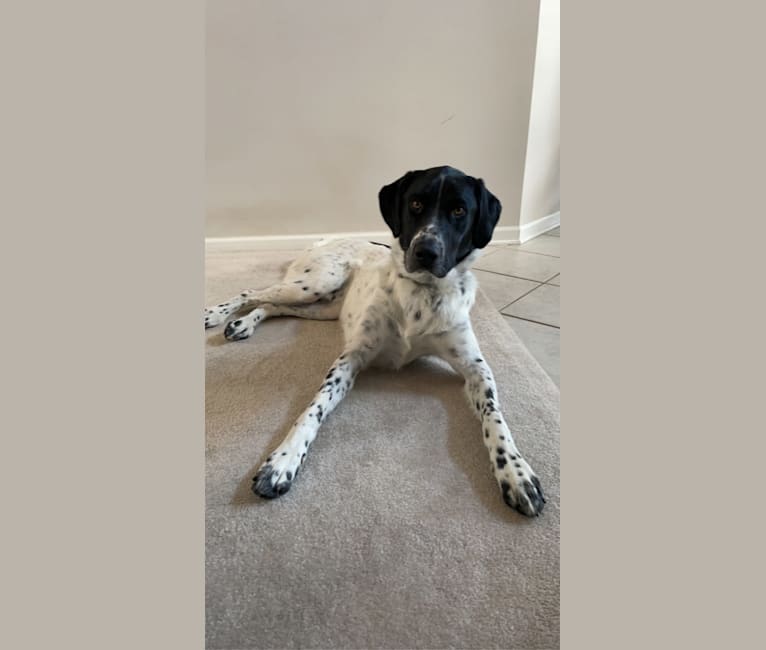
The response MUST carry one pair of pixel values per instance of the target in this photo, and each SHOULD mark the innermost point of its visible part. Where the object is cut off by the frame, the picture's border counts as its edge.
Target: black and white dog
(395, 305)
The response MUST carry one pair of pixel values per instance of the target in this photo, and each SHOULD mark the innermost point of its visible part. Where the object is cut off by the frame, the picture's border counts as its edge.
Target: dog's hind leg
(293, 293)
(317, 275)
(244, 327)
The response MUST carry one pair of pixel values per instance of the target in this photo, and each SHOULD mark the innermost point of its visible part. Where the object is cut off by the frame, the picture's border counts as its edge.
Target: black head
(439, 216)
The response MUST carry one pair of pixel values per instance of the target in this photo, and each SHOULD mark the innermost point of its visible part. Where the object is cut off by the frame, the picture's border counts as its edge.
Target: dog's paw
(520, 486)
(216, 315)
(239, 329)
(275, 477)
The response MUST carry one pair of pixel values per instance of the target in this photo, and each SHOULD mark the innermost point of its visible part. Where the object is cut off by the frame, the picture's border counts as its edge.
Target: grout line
(518, 277)
(529, 320)
(521, 250)
(540, 284)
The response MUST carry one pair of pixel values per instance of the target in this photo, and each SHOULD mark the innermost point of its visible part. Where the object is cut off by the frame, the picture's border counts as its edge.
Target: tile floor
(524, 281)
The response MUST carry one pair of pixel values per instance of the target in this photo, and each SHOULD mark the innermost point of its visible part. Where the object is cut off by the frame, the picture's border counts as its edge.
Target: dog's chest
(409, 317)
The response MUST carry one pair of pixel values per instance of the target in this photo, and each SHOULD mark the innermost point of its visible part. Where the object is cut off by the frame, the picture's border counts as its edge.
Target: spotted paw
(239, 329)
(520, 487)
(275, 477)
(216, 315)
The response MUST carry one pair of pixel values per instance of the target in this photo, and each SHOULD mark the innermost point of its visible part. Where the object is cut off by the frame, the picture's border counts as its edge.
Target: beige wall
(540, 196)
(313, 106)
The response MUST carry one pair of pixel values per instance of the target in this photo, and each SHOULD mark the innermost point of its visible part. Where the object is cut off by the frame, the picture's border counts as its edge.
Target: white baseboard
(539, 226)
(519, 234)
(502, 235)
(290, 242)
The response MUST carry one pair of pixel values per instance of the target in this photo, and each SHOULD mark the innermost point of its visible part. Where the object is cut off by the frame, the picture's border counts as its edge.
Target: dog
(395, 304)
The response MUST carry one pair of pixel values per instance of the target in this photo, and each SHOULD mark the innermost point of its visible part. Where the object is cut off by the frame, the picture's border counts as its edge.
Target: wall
(540, 196)
(313, 106)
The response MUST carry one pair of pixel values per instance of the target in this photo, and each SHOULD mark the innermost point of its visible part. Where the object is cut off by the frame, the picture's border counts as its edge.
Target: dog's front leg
(275, 476)
(519, 484)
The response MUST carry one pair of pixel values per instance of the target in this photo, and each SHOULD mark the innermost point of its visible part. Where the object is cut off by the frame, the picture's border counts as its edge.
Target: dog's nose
(426, 253)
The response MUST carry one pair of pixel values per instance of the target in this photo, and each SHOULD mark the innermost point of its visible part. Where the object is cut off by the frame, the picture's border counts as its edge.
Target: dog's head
(439, 215)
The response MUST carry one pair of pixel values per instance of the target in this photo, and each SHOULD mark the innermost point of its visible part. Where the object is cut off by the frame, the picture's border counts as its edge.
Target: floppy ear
(389, 199)
(487, 216)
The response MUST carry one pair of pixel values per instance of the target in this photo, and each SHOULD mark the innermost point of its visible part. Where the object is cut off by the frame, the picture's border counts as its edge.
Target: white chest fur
(402, 314)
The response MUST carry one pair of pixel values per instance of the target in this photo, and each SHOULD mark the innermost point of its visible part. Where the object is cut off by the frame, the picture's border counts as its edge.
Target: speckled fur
(389, 317)
(395, 304)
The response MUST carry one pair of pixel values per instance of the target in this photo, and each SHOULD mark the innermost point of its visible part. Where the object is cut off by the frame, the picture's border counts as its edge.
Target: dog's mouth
(434, 272)
(412, 265)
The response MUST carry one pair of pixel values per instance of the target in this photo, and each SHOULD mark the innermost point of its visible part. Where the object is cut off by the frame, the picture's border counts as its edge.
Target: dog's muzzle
(426, 253)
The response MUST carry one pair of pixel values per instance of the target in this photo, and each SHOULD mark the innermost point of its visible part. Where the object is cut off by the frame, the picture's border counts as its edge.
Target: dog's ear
(389, 199)
(487, 216)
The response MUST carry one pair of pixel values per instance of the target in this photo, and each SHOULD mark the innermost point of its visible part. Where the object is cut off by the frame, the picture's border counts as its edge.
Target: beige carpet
(395, 534)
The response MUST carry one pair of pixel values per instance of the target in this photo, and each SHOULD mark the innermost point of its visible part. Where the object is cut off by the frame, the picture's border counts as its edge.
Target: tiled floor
(524, 281)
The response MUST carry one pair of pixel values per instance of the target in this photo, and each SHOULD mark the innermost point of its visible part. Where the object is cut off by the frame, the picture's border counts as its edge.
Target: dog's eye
(458, 212)
(416, 206)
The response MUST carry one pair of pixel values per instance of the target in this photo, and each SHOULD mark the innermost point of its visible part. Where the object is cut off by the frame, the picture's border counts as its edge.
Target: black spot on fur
(479, 360)
(502, 437)
(486, 433)
(305, 288)
(513, 457)
(320, 413)
(536, 483)
(517, 465)
(289, 476)
(500, 450)
(284, 453)
(307, 270)
(337, 380)
(417, 315)
(298, 282)
(316, 293)
(500, 460)
(305, 444)
(506, 488)
(489, 394)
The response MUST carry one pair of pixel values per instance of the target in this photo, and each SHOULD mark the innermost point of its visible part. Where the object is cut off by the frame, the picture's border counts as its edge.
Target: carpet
(395, 534)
